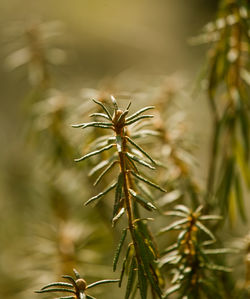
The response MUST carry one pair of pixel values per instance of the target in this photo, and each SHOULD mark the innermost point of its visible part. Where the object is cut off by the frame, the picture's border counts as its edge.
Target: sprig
(140, 261)
(189, 257)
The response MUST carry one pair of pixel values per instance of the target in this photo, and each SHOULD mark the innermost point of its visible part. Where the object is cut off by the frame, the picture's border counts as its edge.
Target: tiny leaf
(101, 282)
(140, 161)
(95, 152)
(110, 166)
(55, 290)
(101, 194)
(174, 225)
(104, 108)
(147, 181)
(131, 279)
(147, 205)
(205, 230)
(114, 102)
(119, 247)
(140, 149)
(57, 284)
(99, 114)
(118, 194)
(130, 122)
(139, 112)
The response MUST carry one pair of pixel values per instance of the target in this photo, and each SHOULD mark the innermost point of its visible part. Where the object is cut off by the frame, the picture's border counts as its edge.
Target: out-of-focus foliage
(61, 238)
(176, 146)
(190, 257)
(228, 94)
(125, 50)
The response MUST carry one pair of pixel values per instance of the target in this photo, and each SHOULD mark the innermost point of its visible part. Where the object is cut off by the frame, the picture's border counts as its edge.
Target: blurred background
(81, 49)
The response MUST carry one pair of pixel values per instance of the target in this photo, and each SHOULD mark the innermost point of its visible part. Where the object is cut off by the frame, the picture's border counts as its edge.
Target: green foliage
(120, 152)
(228, 95)
(142, 262)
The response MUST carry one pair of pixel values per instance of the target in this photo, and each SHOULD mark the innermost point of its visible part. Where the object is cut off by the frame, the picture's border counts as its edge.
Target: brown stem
(128, 205)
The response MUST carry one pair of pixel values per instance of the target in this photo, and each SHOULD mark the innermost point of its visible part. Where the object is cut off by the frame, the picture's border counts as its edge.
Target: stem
(128, 206)
(131, 207)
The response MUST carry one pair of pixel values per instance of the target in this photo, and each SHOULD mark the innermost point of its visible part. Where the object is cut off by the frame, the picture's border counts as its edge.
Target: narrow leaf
(240, 199)
(148, 258)
(198, 210)
(205, 230)
(171, 290)
(170, 248)
(210, 217)
(55, 290)
(169, 259)
(147, 181)
(144, 189)
(170, 197)
(129, 104)
(175, 213)
(122, 116)
(101, 282)
(218, 268)
(142, 282)
(144, 133)
(114, 102)
(244, 124)
(95, 152)
(118, 216)
(77, 275)
(153, 282)
(147, 205)
(99, 166)
(119, 247)
(118, 194)
(110, 166)
(97, 124)
(100, 115)
(104, 108)
(140, 149)
(124, 264)
(101, 194)
(139, 112)
(71, 279)
(181, 236)
(101, 141)
(132, 164)
(131, 279)
(57, 284)
(220, 251)
(175, 225)
(127, 123)
(140, 161)
(182, 208)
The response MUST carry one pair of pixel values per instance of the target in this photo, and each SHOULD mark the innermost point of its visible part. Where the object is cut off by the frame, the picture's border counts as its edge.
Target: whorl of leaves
(76, 286)
(189, 257)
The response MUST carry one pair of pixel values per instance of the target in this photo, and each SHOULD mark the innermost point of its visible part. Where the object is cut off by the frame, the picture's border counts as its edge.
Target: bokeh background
(130, 48)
